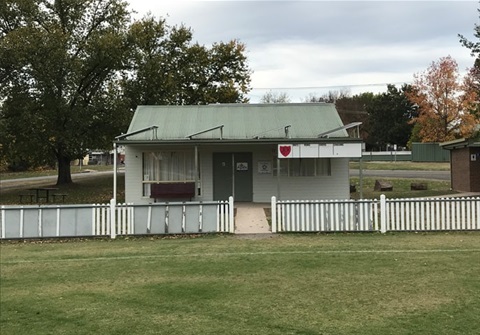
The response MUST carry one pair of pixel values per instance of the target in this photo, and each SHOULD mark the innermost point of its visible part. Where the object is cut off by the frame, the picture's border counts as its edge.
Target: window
(303, 167)
(164, 166)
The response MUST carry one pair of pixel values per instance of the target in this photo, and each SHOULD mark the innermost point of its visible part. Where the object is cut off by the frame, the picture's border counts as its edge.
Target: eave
(460, 143)
(261, 141)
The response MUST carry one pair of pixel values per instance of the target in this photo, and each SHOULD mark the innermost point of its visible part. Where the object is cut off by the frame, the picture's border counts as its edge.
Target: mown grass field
(289, 284)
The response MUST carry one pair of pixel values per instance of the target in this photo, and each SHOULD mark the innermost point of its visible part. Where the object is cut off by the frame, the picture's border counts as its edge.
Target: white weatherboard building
(249, 151)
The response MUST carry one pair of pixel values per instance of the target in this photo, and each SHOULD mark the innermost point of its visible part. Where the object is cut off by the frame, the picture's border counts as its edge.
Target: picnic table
(42, 193)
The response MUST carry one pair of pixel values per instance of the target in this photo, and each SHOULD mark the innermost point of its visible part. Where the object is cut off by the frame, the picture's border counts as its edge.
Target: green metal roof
(234, 122)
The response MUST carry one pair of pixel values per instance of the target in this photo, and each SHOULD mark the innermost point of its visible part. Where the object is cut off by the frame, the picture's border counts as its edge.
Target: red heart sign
(285, 150)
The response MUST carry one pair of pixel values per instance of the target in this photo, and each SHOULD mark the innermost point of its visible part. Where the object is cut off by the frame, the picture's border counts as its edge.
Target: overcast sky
(303, 47)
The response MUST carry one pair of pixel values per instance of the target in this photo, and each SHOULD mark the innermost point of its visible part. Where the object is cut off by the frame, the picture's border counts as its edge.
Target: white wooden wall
(331, 187)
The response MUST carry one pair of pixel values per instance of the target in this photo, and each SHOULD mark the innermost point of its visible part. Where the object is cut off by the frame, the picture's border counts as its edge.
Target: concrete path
(250, 218)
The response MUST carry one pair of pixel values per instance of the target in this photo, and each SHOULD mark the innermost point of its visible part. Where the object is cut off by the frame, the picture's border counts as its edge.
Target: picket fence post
(383, 214)
(4, 219)
(231, 209)
(113, 219)
(274, 214)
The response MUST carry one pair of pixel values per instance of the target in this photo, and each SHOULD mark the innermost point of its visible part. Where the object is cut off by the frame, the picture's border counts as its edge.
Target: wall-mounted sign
(284, 151)
(265, 167)
(242, 166)
(473, 157)
(314, 150)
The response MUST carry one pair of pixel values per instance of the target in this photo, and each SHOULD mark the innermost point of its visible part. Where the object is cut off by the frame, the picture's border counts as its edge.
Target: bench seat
(173, 190)
(29, 195)
(58, 195)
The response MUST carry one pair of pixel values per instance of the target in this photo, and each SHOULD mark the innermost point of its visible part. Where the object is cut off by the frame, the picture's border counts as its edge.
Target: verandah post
(113, 219)
(274, 214)
(383, 214)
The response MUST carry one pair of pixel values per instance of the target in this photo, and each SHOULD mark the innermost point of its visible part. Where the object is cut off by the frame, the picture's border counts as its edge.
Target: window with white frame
(168, 166)
(303, 167)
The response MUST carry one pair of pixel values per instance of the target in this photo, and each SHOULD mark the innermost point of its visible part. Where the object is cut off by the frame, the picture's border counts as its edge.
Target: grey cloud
(315, 43)
(324, 21)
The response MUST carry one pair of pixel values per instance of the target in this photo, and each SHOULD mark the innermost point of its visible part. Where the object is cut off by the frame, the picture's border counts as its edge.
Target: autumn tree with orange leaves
(446, 102)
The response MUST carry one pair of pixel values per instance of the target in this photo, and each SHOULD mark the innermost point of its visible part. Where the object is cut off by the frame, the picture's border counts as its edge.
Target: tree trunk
(64, 173)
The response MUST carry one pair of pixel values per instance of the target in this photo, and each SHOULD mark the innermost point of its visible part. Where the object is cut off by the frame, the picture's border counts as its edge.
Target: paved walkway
(250, 218)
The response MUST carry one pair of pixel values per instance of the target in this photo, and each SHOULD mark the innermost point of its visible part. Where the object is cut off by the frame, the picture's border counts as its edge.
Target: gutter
(261, 141)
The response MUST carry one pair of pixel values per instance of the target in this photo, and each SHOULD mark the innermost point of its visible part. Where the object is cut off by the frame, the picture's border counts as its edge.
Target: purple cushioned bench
(174, 190)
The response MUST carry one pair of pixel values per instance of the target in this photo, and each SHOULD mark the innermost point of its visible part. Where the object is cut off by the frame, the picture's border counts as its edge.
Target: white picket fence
(418, 214)
(429, 214)
(181, 217)
(40, 221)
(323, 215)
(112, 219)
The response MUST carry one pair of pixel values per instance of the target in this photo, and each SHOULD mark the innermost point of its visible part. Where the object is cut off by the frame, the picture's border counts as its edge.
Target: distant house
(464, 164)
(249, 151)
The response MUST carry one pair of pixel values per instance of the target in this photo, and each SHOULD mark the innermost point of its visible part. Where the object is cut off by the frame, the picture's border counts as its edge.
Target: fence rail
(40, 221)
(418, 214)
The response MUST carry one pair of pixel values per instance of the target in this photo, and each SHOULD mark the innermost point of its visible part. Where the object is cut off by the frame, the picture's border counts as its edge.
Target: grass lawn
(401, 188)
(94, 189)
(402, 165)
(289, 284)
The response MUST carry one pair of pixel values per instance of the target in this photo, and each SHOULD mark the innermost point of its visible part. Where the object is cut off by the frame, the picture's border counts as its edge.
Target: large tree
(446, 103)
(350, 108)
(56, 60)
(72, 71)
(389, 116)
(165, 67)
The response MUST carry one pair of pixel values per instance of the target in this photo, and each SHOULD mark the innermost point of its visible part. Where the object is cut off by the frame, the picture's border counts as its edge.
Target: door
(222, 176)
(232, 175)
